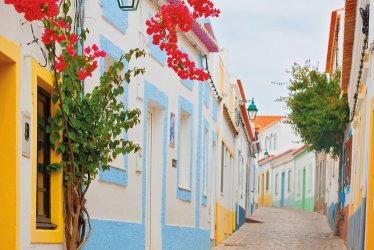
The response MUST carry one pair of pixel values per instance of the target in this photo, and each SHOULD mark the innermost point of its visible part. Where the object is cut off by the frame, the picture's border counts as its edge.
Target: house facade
(283, 183)
(187, 188)
(305, 175)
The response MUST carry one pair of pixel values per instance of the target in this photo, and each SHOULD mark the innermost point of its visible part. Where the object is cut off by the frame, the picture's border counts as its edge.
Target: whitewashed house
(185, 189)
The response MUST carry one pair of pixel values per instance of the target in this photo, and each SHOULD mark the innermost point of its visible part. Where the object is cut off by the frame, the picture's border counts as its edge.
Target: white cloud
(265, 37)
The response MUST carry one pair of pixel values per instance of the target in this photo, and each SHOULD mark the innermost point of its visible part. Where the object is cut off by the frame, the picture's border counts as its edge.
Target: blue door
(282, 191)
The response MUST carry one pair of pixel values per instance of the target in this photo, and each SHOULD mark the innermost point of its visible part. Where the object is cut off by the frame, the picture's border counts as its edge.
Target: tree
(318, 113)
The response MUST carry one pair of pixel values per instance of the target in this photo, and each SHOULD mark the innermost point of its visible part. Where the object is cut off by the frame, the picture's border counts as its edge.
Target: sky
(263, 38)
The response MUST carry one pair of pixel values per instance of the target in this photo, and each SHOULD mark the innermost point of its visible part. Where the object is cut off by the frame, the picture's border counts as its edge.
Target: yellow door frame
(370, 187)
(9, 146)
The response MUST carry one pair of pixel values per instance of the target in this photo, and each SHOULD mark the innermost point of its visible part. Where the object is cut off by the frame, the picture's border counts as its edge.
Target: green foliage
(95, 121)
(318, 112)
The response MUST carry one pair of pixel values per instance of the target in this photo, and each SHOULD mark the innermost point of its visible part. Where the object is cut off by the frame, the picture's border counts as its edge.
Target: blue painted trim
(215, 110)
(205, 163)
(152, 93)
(114, 15)
(198, 154)
(186, 106)
(156, 52)
(187, 82)
(115, 235)
(185, 238)
(115, 175)
(214, 137)
(240, 211)
(206, 94)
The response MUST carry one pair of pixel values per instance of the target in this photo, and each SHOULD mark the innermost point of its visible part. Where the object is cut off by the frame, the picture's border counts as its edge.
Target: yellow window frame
(41, 77)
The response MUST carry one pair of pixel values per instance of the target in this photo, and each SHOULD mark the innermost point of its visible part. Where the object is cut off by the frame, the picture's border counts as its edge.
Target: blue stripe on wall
(118, 18)
(116, 235)
(185, 238)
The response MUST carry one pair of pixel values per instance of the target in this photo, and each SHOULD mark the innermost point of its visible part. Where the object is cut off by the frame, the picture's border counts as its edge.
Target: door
(282, 191)
(304, 187)
(262, 189)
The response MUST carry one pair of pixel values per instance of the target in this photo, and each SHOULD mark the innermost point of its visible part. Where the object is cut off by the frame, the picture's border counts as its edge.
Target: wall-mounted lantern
(128, 5)
(252, 110)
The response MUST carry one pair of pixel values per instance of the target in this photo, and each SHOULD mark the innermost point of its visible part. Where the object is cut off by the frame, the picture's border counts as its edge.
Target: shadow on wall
(331, 215)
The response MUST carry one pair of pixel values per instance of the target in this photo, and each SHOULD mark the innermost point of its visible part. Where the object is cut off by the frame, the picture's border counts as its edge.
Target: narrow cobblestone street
(284, 229)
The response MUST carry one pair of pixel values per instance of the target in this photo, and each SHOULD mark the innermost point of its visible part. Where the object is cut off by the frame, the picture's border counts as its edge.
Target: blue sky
(263, 38)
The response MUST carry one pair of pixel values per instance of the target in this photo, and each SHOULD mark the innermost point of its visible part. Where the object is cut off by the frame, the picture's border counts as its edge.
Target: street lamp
(266, 154)
(252, 110)
(128, 5)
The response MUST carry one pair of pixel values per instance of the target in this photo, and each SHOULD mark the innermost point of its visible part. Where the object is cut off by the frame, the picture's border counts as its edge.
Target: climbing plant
(179, 15)
(86, 128)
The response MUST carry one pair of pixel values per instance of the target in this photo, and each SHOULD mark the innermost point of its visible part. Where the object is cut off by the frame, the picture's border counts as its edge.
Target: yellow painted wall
(265, 200)
(221, 78)
(370, 196)
(264, 196)
(225, 223)
(356, 190)
(9, 132)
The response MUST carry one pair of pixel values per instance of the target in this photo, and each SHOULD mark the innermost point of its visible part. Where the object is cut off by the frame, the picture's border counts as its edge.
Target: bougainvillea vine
(163, 27)
(35, 9)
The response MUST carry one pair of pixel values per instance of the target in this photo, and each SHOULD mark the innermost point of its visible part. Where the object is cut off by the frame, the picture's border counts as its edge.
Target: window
(271, 146)
(276, 184)
(205, 162)
(289, 180)
(267, 181)
(275, 142)
(266, 143)
(184, 173)
(43, 178)
(46, 220)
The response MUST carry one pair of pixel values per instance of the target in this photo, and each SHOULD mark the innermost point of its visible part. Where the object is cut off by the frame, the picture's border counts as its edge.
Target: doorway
(304, 187)
(154, 163)
(262, 189)
(282, 191)
(9, 134)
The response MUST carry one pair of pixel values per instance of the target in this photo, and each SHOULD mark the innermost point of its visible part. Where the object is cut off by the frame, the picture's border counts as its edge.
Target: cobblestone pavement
(284, 228)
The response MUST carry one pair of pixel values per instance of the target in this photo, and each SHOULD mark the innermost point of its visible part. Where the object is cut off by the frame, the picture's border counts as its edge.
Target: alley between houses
(284, 228)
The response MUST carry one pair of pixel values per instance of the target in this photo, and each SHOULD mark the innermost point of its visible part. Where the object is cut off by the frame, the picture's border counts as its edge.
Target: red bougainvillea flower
(60, 64)
(164, 26)
(70, 49)
(73, 38)
(35, 9)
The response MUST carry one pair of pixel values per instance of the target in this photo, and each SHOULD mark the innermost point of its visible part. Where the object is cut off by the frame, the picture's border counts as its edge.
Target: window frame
(289, 180)
(44, 222)
(276, 184)
(42, 78)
